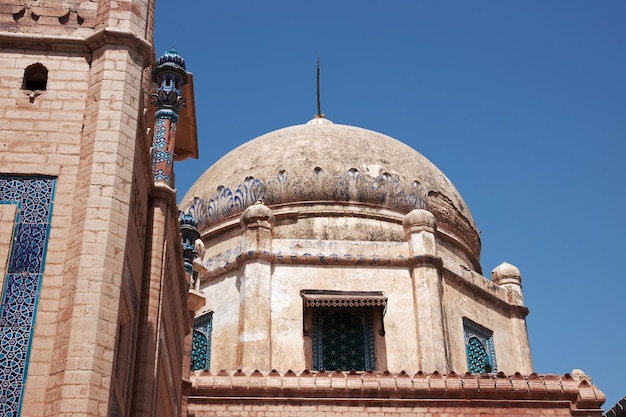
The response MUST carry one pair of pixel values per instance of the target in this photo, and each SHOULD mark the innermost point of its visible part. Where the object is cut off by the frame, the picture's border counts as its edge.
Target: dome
(418, 219)
(506, 273)
(325, 162)
(171, 57)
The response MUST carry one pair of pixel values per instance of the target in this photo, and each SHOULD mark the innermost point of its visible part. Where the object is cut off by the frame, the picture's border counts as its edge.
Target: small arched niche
(35, 78)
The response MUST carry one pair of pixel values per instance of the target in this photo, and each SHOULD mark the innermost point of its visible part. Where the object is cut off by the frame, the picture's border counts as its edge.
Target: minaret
(162, 322)
(170, 76)
(189, 235)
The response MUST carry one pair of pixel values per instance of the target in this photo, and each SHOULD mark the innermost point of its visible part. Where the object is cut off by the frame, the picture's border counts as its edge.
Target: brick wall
(385, 394)
(42, 136)
(84, 131)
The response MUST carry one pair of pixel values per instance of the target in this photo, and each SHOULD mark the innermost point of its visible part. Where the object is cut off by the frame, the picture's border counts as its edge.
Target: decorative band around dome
(383, 191)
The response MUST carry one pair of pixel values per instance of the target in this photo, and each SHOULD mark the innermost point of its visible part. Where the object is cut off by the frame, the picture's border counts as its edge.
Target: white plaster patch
(280, 301)
(373, 170)
(252, 336)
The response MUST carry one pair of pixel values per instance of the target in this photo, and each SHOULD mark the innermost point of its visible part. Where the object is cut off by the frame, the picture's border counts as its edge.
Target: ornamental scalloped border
(34, 197)
(384, 190)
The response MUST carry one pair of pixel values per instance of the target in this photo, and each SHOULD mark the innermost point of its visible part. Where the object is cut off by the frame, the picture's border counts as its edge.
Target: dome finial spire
(319, 114)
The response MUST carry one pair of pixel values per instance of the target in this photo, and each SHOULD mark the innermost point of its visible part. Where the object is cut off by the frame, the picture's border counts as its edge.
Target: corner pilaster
(257, 223)
(419, 228)
(508, 277)
(146, 370)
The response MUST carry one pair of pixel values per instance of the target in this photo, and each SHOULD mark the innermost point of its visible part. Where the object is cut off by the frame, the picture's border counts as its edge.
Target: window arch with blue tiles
(201, 342)
(479, 349)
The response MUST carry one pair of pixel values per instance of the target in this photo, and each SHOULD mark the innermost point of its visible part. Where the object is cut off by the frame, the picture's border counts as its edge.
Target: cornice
(371, 387)
(78, 45)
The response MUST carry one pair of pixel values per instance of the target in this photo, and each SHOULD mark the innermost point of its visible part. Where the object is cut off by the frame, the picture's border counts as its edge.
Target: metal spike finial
(319, 114)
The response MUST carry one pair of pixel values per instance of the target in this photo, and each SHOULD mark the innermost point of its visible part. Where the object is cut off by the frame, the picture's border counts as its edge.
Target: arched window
(478, 361)
(201, 342)
(343, 338)
(481, 356)
(199, 351)
(35, 78)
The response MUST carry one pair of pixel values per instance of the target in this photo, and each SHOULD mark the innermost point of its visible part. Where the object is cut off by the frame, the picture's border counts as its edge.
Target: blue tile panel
(481, 354)
(33, 197)
(201, 342)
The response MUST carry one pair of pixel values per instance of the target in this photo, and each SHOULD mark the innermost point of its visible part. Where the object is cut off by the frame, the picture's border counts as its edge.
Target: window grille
(343, 338)
(201, 342)
(481, 355)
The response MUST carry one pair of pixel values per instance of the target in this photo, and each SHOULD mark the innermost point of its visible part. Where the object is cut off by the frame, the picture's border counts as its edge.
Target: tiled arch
(33, 196)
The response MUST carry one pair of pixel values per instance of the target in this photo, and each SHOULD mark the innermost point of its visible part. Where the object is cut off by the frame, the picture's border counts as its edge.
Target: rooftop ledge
(577, 391)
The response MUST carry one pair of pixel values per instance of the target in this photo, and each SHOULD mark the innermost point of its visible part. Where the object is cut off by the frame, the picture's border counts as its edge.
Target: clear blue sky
(521, 104)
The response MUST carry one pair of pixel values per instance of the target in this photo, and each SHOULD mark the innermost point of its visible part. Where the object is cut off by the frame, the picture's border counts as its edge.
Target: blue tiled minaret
(170, 76)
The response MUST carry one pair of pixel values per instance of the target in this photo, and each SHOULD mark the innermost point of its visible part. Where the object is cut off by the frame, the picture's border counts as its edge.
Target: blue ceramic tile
(29, 244)
(13, 353)
(34, 198)
(18, 306)
(201, 342)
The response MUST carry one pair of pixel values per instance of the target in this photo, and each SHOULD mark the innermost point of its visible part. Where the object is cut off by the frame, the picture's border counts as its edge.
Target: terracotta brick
(404, 382)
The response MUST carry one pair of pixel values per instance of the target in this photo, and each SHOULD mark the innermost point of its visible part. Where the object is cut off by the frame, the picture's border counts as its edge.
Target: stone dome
(506, 273)
(325, 162)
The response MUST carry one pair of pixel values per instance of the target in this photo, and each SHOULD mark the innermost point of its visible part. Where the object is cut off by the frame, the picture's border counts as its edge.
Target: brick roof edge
(579, 392)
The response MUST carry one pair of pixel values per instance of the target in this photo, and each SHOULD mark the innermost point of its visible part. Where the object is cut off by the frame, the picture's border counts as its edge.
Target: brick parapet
(78, 45)
(76, 17)
(449, 389)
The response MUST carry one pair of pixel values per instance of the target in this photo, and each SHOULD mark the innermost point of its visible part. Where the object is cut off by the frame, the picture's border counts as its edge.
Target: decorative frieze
(384, 190)
(72, 14)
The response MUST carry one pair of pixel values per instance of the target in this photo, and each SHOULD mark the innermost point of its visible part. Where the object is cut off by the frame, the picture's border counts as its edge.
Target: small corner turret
(509, 277)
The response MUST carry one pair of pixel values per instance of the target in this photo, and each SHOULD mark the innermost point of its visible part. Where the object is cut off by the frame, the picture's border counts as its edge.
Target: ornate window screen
(201, 342)
(481, 355)
(343, 328)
